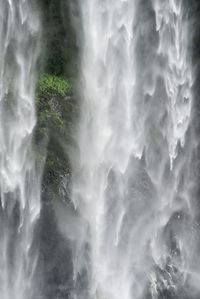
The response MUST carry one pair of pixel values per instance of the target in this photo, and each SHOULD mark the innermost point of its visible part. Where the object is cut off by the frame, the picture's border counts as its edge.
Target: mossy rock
(57, 112)
(55, 106)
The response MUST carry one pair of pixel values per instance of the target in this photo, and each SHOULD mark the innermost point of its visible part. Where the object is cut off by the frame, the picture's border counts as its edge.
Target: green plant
(50, 85)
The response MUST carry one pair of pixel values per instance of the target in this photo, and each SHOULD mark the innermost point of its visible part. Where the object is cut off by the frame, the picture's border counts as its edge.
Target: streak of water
(19, 183)
(173, 36)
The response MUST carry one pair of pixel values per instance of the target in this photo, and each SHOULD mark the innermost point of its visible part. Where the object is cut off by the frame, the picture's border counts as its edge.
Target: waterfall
(134, 186)
(19, 180)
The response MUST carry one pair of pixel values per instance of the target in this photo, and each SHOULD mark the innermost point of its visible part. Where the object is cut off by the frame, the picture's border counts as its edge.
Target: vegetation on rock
(51, 85)
(56, 110)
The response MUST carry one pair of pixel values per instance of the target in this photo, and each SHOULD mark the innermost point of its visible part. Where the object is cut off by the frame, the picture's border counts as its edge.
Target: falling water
(19, 185)
(133, 187)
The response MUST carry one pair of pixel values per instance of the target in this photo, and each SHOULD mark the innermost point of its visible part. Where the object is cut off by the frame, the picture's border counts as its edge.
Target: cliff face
(60, 55)
(57, 112)
(57, 108)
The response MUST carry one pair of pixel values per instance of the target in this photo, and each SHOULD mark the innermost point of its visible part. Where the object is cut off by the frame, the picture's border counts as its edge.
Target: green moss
(50, 85)
(50, 102)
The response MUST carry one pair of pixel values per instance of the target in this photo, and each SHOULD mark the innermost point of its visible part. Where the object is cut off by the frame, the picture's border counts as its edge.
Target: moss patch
(50, 85)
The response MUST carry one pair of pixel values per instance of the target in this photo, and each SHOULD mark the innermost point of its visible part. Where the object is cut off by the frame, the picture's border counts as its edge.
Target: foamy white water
(19, 183)
(173, 47)
(133, 229)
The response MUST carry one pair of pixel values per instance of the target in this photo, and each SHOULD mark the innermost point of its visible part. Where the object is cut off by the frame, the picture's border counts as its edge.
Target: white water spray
(173, 47)
(133, 186)
(19, 183)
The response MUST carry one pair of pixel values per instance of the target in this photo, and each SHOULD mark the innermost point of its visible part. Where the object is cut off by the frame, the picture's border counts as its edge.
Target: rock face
(57, 112)
(61, 52)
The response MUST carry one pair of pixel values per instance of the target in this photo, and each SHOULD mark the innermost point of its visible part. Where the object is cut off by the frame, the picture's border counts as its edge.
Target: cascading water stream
(133, 187)
(173, 37)
(19, 182)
